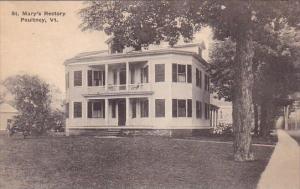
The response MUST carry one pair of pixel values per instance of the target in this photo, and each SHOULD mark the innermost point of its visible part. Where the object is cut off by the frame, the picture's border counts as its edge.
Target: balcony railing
(116, 88)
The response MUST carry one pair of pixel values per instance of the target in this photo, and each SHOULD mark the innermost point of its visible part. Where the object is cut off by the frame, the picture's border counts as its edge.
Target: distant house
(7, 113)
(224, 114)
(164, 88)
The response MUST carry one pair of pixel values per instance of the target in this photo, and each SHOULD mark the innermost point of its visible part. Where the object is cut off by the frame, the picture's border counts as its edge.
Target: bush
(223, 129)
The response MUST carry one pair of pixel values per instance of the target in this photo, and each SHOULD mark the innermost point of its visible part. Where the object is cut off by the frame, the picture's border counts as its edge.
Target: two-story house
(158, 89)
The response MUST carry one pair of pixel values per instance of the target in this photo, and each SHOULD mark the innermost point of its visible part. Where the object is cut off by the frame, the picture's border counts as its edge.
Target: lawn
(140, 162)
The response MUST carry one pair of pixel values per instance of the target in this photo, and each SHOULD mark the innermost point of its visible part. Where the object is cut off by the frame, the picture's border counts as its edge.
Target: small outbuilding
(7, 113)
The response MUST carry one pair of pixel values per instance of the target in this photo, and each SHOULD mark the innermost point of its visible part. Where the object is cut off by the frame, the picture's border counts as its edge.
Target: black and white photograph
(150, 94)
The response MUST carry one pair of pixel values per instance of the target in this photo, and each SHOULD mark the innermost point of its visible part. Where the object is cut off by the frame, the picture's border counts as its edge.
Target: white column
(106, 76)
(106, 111)
(216, 117)
(127, 75)
(127, 111)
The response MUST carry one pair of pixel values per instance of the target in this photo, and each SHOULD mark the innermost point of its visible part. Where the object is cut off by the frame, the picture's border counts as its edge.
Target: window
(144, 108)
(133, 108)
(67, 80)
(159, 107)
(198, 78)
(113, 109)
(181, 73)
(77, 78)
(96, 78)
(144, 75)
(96, 109)
(159, 72)
(206, 80)
(67, 108)
(132, 75)
(189, 73)
(198, 109)
(115, 75)
(77, 109)
(182, 108)
(189, 108)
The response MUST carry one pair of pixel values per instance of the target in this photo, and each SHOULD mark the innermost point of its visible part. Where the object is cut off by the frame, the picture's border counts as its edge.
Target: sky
(41, 48)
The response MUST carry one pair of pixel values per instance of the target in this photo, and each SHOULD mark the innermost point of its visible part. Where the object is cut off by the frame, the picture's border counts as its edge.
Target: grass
(140, 162)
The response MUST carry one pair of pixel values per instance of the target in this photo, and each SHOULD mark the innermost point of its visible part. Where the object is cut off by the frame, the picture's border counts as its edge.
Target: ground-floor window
(77, 109)
(206, 111)
(96, 108)
(198, 109)
(133, 108)
(113, 109)
(159, 107)
(182, 107)
(144, 106)
(67, 107)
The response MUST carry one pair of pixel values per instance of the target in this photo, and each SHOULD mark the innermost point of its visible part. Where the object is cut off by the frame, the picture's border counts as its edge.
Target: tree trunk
(256, 117)
(264, 120)
(243, 113)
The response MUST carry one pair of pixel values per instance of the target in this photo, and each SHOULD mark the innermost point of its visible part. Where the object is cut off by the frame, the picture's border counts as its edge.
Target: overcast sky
(41, 48)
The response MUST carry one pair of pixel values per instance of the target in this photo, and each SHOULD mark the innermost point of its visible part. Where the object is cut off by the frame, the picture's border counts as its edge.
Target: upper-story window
(96, 78)
(144, 75)
(181, 73)
(159, 72)
(198, 78)
(206, 82)
(77, 78)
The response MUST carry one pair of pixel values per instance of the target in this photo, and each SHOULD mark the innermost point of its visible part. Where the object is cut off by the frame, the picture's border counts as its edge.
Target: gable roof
(7, 108)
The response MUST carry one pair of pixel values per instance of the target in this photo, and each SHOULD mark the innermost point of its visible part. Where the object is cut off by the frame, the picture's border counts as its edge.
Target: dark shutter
(174, 107)
(67, 110)
(174, 72)
(197, 77)
(159, 107)
(90, 109)
(200, 109)
(103, 77)
(90, 78)
(77, 78)
(189, 108)
(200, 79)
(189, 73)
(113, 109)
(103, 103)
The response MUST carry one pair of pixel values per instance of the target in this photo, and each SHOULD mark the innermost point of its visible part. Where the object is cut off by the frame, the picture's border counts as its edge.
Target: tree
(32, 98)
(140, 23)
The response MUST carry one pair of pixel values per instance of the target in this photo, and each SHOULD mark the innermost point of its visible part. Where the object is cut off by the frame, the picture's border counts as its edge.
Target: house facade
(7, 113)
(159, 89)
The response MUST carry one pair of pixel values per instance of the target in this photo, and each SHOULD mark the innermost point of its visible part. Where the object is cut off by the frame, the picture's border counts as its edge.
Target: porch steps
(112, 132)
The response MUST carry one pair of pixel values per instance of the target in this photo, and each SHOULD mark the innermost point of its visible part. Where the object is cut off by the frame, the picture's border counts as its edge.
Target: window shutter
(77, 78)
(90, 78)
(159, 107)
(200, 79)
(67, 110)
(90, 109)
(200, 109)
(174, 107)
(189, 108)
(174, 72)
(103, 75)
(189, 73)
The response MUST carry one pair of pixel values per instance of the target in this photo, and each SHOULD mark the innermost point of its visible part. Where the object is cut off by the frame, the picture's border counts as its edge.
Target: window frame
(159, 77)
(160, 107)
(75, 79)
(77, 113)
(144, 108)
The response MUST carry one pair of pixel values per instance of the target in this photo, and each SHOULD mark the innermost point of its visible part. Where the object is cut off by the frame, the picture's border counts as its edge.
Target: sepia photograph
(150, 94)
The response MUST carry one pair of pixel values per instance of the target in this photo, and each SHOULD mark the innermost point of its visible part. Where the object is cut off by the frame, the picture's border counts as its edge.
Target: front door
(122, 113)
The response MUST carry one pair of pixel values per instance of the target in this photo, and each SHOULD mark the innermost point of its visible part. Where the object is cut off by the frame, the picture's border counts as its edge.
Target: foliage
(223, 129)
(32, 98)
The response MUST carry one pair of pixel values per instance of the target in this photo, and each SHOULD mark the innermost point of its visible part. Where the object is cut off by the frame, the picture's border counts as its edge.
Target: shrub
(223, 129)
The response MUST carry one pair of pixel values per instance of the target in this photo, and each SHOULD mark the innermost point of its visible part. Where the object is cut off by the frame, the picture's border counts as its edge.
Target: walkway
(283, 169)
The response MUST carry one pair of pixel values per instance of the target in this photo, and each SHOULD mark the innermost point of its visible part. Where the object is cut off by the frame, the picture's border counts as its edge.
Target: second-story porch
(118, 77)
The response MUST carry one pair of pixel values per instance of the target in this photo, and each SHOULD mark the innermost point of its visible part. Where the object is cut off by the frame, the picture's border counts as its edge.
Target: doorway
(122, 112)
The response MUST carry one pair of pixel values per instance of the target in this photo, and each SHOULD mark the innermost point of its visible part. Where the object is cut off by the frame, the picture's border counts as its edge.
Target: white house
(158, 89)
(7, 113)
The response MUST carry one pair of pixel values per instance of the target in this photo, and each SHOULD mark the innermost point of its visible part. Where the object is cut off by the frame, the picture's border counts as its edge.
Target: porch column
(127, 111)
(106, 76)
(106, 111)
(217, 117)
(127, 76)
